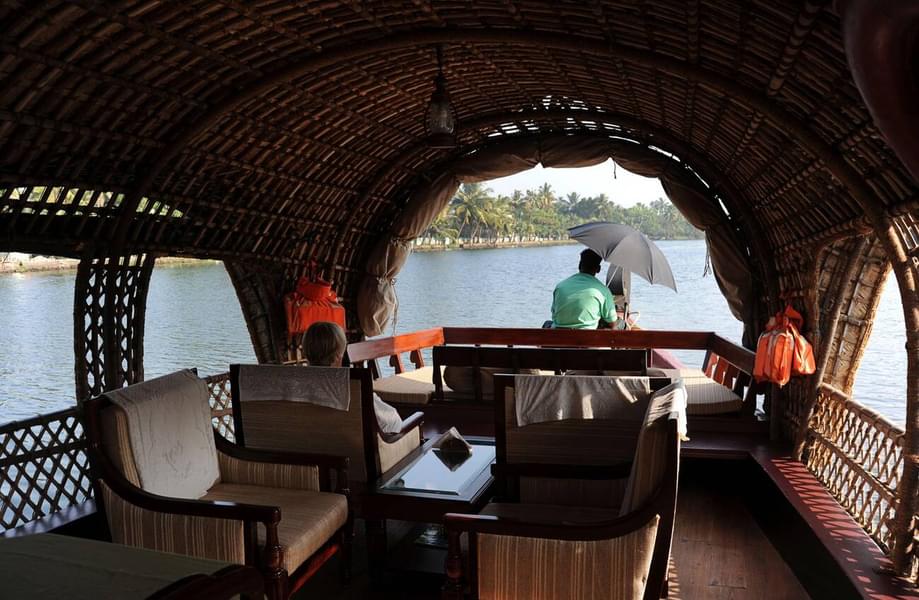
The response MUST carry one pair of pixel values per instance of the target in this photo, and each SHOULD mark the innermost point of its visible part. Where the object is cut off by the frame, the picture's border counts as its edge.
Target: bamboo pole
(826, 340)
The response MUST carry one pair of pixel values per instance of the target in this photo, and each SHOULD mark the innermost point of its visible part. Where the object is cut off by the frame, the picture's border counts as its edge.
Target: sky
(625, 188)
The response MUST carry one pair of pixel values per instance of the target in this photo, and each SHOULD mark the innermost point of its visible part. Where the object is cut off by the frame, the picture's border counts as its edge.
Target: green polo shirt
(581, 301)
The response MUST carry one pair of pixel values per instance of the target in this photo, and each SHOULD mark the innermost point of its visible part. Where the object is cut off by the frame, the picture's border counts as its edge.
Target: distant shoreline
(23, 263)
(525, 244)
(489, 245)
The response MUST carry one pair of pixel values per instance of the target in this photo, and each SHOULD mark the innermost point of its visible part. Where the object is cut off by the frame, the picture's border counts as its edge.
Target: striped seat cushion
(410, 387)
(308, 519)
(705, 396)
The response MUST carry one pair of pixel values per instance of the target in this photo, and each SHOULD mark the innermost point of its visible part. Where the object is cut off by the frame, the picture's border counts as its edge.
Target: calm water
(194, 320)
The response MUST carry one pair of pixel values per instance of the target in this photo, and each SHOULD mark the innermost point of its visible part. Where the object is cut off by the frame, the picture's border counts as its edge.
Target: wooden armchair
(582, 462)
(167, 482)
(303, 426)
(559, 552)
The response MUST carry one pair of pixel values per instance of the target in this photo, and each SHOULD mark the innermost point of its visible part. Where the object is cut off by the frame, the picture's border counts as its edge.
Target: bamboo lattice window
(43, 467)
(857, 454)
(221, 404)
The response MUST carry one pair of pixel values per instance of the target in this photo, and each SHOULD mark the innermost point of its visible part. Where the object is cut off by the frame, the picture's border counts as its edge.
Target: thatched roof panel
(281, 131)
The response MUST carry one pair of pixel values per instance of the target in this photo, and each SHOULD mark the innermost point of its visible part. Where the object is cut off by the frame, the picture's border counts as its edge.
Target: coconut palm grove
(478, 215)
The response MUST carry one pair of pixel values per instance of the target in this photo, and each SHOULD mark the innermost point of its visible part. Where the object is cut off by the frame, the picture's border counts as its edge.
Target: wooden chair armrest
(458, 523)
(414, 420)
(561, 471)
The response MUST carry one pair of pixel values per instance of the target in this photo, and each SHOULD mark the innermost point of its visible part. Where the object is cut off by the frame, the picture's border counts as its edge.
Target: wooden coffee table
(422, 488)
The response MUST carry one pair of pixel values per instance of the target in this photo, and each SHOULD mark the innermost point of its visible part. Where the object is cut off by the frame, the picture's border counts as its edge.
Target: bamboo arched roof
(268, 133)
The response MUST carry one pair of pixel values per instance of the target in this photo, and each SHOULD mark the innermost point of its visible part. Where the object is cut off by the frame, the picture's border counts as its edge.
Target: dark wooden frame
(279, 584)
(370, 425)
(514, 359)
(462, 571)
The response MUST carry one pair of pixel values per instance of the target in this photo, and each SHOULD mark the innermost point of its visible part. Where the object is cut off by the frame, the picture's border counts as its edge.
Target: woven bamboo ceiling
(277, 130)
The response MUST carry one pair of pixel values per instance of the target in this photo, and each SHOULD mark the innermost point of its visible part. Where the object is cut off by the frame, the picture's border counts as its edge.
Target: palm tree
(471, 207)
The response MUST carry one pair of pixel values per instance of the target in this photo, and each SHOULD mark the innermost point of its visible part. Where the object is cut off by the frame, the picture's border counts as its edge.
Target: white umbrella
(622, 246)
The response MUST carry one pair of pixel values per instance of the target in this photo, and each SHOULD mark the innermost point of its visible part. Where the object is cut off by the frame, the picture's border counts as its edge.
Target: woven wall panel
(109, 310)
(43, 467)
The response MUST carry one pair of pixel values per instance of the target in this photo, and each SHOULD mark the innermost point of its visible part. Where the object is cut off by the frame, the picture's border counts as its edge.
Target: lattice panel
(110, 304)
(43, 467)
(857, 454)
(221, 404)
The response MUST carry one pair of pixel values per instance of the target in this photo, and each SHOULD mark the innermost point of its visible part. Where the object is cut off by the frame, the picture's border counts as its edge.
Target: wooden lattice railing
(43, 467)
(221, 404)
(857, 454)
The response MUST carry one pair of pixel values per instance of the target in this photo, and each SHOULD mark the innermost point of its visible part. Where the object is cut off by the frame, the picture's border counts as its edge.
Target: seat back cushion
(523, 568)
(572, 441)
(461, 380)
(304, 427)
(651, 454)
(705, 396)
(171, 436)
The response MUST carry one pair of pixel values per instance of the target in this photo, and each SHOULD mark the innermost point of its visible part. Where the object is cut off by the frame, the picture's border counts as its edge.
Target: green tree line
(477, 215)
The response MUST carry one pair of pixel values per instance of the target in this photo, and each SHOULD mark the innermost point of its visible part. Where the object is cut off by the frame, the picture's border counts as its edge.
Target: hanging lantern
(440, 118)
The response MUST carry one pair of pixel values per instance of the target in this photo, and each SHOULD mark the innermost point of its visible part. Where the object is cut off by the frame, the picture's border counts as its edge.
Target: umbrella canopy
(627, 248)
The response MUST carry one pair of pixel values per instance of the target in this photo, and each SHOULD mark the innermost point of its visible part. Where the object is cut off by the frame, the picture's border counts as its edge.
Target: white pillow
(387, 416)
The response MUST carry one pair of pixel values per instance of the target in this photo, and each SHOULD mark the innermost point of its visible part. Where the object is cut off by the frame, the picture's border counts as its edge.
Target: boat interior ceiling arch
(507, 155)
(294, 139)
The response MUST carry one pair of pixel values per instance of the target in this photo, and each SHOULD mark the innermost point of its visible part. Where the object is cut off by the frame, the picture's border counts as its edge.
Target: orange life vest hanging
(312, 301)
(782, 351)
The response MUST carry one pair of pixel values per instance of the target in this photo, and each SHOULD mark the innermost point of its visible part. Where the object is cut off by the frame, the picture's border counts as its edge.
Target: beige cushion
(308, 519)
(248, 472)
(522, 568)
(461, 380)
(573, 441)
(116, 443)
(649, 466)
(410, 387)
(598, 493)
(390, 454)
(388, 418)
(705, 395)
(203, 537)
(172, 438)
(303, 427)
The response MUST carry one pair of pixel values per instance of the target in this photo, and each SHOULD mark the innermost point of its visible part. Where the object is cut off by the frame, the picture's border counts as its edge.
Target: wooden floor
(719, 553)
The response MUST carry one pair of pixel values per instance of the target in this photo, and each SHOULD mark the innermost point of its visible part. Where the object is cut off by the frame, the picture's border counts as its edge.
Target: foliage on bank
(477, 215)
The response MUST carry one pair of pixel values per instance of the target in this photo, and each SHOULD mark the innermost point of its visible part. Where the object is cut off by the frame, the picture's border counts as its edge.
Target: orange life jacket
(312, 301)
(782, 351)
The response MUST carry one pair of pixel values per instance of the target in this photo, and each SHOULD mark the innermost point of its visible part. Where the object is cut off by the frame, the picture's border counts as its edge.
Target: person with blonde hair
(324, 345)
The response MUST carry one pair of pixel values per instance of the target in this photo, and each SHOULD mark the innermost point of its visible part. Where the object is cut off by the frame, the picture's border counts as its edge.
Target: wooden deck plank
(719, 552)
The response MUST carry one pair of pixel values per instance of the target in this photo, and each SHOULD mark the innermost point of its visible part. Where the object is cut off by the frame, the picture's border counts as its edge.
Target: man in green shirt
(582, 301)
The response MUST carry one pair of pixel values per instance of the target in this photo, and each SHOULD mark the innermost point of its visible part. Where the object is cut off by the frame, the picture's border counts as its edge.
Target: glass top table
(433, 472)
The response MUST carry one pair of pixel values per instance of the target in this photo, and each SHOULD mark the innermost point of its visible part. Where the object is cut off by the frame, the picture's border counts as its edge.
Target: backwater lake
(194, 320)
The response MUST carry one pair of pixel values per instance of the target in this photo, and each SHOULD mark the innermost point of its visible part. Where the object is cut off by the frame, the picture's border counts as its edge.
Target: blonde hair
(324, 344)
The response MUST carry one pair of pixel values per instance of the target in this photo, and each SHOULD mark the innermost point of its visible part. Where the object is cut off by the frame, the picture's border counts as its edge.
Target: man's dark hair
(590, 262)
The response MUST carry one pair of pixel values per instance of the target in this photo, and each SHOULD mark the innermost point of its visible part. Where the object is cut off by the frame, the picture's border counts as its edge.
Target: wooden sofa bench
(726, 365)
